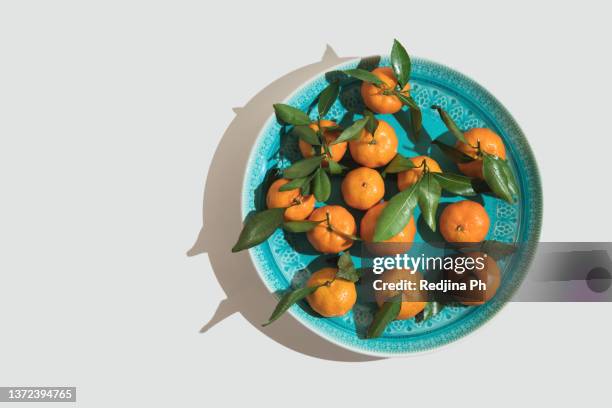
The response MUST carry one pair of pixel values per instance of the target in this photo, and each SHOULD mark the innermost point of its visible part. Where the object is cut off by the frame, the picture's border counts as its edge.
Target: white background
(110, 114)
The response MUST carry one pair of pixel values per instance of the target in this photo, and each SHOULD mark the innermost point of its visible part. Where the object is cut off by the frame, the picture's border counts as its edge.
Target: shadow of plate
(222, 222)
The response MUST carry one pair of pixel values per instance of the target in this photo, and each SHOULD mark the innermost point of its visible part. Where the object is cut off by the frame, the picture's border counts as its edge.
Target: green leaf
(398, 164)
(396, 214)
(429, 197)
(455, 183)
(431, 309)
(305, 133)
(288, 115)
(303, 167)
(321, 185)
(511, 180)
(327, 97)
(346, 268)
(408, 101)
(258, 228)
(452, 153)
(364, 75)
(495, 176)
(385, 315)
(335, 167)
(289, 299)
(300, 226)
(353, 132)
(372, 123)
(400, 61)
(293, 184)
(416, 121)
(450, 123)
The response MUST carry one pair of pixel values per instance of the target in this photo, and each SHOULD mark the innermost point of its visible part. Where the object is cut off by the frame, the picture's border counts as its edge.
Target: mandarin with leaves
(334, 297)
(375, 149)
(482, 139)
(408, 178)
(398, 244)
(380, 99)
(336, 231)
(298, 207)
(336, 151)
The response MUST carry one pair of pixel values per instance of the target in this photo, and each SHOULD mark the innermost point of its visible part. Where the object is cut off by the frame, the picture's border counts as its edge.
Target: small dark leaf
(455, 183)
(321, 185)
(400, 61)
(327, 97)
(452, 153)
(450, 123)
(288, 115)
(364, 75)
(396, 214)
(300, 226)
(353, 132)
(258, 228)
(429, 197)
(495, 176)
(303, 167)
(385, 315)
(289, 299)
(398, 164)
(306, 134)
(346, 268)
(372, 122)
(431, 309)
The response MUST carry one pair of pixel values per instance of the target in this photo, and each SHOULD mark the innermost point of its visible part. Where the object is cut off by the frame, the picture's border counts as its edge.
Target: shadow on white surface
(222, 222)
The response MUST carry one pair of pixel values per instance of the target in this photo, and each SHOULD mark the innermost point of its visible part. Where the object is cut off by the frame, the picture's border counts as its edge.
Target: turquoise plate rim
(427, 341)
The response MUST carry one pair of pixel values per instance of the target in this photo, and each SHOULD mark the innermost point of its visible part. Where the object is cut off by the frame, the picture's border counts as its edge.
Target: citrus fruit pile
(296, 201)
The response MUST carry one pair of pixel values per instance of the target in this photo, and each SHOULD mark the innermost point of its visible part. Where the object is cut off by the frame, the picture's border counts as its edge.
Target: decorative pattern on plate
(281, 262)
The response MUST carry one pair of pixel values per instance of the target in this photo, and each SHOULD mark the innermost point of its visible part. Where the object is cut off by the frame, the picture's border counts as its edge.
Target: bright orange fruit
(334, 236)
(335, 298)
(362, 188)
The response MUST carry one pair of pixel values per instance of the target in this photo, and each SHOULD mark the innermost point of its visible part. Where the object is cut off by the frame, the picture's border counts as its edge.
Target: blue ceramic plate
(286, 260)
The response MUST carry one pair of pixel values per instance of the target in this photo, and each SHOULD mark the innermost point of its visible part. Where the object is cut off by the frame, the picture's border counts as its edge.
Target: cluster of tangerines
(387, 227)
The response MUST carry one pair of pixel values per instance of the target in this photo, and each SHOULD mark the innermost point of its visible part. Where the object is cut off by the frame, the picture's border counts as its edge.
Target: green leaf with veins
(288, 115)
(396, 214)
(258, 228)
(289, 299)
(400, 61)
(364, 75)
(429, 197)
(385, 315)
(455, 183)
(303, 167)
(353, 132)
(305, 133)
(327, 97)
